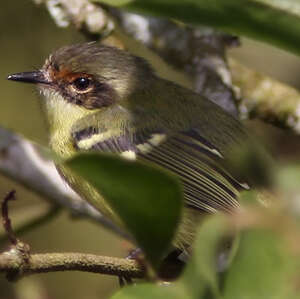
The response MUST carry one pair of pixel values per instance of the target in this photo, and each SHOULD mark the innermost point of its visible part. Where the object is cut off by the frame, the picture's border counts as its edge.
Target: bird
(100, 98)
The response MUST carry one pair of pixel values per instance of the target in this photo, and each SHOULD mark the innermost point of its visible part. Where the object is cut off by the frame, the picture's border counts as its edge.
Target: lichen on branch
(265, 98)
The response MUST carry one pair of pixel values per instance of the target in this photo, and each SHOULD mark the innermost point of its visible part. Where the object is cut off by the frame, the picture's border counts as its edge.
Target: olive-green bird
(100, 98)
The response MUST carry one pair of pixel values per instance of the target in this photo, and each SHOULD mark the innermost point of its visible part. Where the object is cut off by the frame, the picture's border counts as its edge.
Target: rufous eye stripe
(67, 75)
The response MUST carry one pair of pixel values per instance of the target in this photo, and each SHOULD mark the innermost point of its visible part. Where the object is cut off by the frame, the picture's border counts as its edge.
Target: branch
(18, 261)
(12, 263)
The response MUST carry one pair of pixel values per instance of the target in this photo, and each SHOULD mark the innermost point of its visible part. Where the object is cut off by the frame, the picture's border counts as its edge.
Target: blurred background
(28, 35)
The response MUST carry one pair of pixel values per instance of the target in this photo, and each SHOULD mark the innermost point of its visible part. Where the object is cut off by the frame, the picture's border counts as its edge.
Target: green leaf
(147, 200)
(200, 275)
(151, 291)
(265, 20)
(260, 269)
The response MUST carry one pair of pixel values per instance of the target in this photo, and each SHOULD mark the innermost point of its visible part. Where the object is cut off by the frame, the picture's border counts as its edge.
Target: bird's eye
(82, 84)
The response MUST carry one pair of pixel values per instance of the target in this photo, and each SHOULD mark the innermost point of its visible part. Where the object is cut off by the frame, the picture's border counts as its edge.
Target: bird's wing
(207, 185)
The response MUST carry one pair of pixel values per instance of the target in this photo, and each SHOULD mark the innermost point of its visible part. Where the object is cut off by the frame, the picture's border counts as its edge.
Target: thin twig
(5, 218)
(21, 250)
(34, 223)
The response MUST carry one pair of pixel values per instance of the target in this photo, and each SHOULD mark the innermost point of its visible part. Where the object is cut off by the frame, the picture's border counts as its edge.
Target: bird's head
(82, 78)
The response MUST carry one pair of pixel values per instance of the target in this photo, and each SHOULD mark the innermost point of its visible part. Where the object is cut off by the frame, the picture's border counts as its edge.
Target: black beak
(29, 77)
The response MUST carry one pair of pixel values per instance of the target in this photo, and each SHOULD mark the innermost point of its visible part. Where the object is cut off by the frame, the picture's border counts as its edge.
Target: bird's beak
(29, 77)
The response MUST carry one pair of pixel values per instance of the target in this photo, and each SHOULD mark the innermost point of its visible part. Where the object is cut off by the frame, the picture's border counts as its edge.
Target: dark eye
(82, 84)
